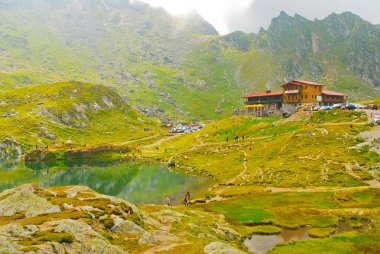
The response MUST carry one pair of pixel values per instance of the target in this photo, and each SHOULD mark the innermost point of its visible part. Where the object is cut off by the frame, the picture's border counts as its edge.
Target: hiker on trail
(242, 137)
(236, 138)
(157, 149)
(188, 197)
(167, 200)
(186, 201)
(227, 139)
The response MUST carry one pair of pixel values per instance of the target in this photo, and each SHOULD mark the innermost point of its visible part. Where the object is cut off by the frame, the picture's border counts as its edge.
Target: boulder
(17, 230)
(68, 226)
(147, 238)
(128, 227)
(7, 246)
(23, 199)
(221, 248)
(163, 236)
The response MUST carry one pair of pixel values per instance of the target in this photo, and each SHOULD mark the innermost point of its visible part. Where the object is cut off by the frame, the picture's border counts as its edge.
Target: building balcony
(263, 101)
(292, 92)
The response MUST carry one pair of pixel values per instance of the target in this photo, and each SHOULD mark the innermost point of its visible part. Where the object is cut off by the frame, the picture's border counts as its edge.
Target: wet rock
(221, 248)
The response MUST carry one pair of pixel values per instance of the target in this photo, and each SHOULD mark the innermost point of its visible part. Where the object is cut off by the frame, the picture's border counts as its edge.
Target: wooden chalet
(294, 94)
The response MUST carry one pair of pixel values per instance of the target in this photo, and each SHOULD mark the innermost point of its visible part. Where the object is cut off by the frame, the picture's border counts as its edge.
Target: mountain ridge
(179, 68)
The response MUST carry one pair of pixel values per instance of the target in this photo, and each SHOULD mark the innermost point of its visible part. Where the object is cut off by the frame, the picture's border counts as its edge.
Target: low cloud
(249, 15)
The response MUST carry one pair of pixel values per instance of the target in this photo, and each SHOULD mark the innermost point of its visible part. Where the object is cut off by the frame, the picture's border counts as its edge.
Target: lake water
(138, 183)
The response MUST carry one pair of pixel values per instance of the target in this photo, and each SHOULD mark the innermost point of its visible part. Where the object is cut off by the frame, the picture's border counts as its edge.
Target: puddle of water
(264, 243)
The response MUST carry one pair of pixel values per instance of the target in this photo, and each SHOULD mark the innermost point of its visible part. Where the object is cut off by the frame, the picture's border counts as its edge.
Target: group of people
(236, 138)
(186, 199)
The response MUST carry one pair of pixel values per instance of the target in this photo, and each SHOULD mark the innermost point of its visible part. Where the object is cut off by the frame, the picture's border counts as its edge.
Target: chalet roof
(302, 82)
(332, 93)
(262, 94)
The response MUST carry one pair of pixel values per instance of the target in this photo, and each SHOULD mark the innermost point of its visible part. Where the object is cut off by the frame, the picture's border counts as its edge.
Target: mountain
(178, 67)
(341, 51)
(50, 115)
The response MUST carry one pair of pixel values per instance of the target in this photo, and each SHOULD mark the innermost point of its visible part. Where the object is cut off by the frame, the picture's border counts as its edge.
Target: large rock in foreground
(221, 248)
(23, 199)
(76, 219)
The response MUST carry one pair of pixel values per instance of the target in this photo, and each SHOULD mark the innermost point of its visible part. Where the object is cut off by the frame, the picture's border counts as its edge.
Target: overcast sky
(249, 15)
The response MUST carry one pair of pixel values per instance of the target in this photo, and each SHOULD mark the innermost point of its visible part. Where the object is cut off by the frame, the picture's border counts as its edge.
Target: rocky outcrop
(23, 199)
(9, 147)
(221, 248)
(93, 223)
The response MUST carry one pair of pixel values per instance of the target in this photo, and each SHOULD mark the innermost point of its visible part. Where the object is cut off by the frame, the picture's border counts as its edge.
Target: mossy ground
(282, 176)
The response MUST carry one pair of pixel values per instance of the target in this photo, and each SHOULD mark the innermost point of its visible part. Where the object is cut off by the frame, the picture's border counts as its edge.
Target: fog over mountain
(249, 15)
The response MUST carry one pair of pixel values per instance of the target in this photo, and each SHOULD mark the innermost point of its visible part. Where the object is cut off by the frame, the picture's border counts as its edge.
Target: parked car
(349, 106)
(325, 108)
(339, 105)
(372, 106)
(376, 119)
(360, 106)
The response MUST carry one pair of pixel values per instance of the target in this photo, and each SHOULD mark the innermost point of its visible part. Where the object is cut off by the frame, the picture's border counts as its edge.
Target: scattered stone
(128, 227)
(147, 238)
(221, 248)
(67, 206)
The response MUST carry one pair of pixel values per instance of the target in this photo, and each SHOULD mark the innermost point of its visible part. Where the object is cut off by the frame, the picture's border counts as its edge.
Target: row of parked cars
(346, 106)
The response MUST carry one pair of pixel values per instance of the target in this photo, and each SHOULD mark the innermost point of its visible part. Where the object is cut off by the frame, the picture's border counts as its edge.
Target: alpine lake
(139, 183)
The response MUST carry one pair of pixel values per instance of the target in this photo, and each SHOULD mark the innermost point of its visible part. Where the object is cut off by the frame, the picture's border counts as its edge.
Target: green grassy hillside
(178, 67)
(52, 114)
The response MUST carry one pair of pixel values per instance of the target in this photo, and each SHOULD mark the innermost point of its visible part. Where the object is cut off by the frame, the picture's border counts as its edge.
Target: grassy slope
(84, 113)
(284, 156)
(281, 155)
(189, 76)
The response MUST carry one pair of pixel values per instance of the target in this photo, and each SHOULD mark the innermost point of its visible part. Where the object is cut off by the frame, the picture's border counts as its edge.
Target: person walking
(167, 200)
(188, 197)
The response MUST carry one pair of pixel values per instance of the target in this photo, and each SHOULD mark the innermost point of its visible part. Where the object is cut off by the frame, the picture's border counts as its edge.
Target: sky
(249, 15)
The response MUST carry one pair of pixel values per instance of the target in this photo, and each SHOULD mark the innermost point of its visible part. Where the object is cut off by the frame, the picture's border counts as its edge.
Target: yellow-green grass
(71, 111)
(297, 209)
(320, 232)
(280, 154)
(346, 243)
(265, 230)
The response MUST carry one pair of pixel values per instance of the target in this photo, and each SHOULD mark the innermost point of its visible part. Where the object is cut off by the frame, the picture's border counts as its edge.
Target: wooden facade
(302, 92)
(295, 93)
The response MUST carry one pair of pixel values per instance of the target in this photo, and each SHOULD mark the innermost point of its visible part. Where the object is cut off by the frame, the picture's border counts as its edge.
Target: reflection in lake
(135, 182)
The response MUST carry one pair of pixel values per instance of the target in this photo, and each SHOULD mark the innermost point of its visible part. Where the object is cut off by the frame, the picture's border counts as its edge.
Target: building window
(305, 96)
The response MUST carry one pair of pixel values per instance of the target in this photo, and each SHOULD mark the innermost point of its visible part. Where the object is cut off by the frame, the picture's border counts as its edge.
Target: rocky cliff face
(77, 220)
(324, 50)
